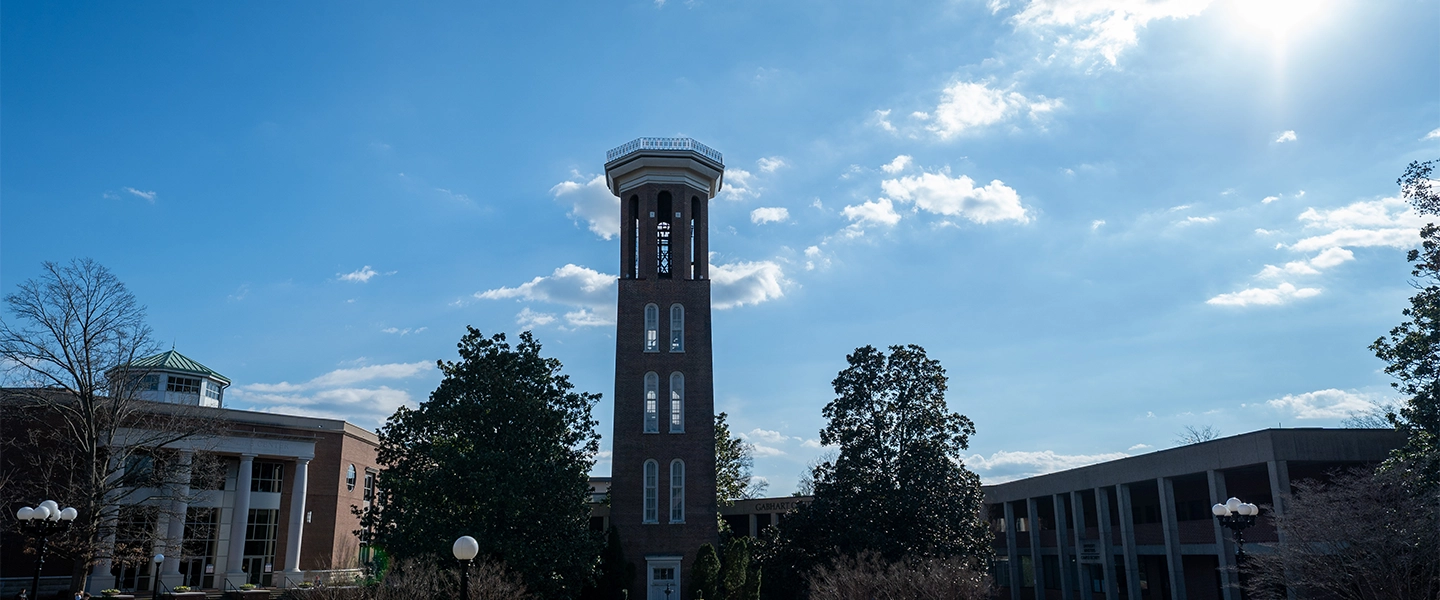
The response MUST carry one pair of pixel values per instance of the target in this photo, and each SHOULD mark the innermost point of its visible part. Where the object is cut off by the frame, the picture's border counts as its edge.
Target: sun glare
(1278, 17)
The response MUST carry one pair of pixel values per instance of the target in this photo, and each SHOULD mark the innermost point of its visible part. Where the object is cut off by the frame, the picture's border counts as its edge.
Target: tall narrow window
(677, 491)
(662, 236)
(652, 403)
(652, 328)
(677, 403)
(677, 328)
(694, 214)
(632, 262)
(652, 492)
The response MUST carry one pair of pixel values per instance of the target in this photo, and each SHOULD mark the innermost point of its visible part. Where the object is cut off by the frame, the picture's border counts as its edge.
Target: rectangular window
(183, 385)
(212, 390)
(266, 476)
(369, 486)
(664, 574)
(149, 383)
(677, 403)
(261, 532)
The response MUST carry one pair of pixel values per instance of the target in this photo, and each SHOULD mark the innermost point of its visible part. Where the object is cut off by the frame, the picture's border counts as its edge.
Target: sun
(1278, 17)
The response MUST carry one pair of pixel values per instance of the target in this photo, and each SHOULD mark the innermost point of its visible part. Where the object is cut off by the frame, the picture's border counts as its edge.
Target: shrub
(869, 576)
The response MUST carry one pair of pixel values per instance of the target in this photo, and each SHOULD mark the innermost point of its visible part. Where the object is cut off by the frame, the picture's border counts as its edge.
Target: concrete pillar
(175, 533)
(1037, 565)
(100, 577)
(239, 518)
(1224, 544)
(1174, 564)
(1279, 471)
(1077, 509)
(1107, 546)
(1127, 540)
(1012, 554)
(1062, 549)
(297, 520)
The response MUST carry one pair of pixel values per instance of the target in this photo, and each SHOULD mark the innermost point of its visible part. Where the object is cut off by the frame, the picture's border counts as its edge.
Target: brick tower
(662, 493)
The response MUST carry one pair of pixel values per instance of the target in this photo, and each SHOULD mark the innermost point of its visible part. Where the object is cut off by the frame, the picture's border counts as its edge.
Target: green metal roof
(175, 361)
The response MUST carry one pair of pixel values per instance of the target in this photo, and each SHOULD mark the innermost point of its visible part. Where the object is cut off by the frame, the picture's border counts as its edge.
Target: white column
(175, 534)
(297, 520)
(239, 518)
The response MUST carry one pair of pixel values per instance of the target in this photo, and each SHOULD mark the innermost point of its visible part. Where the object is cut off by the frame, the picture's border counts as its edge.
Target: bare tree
(1379, 416)
(869, 576)
(1195, 435)
(74, 421)
(1362, 535)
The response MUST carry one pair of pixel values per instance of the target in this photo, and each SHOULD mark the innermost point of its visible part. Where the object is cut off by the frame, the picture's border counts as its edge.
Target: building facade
(1140, 528)
(276, 507)
(663, 472)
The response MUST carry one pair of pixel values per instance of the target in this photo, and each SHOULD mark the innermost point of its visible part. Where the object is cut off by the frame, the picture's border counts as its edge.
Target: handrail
(653, 143)
(231, 586)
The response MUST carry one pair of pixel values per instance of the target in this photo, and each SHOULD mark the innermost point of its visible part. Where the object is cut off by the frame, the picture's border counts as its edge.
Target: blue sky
(1108, 219)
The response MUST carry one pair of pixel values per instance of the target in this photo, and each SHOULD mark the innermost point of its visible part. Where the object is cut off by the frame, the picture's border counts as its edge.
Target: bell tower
(662, 493)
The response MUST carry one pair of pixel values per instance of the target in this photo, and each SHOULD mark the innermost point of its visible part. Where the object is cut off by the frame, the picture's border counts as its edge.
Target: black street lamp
(1237, 516)
(42, 521)
(465, 550)
(155, 574)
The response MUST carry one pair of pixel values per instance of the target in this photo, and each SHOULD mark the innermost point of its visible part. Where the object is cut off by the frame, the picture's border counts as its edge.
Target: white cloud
(966, 106)
(346, 377)
(812, 443)
(1005, 465)
(815, 258)
(771, 164)
(742, 283)
(1097, 224)
(1196, 221)
(1385, 222)
(877, 212)
(1286, 136)
(361, 275)
(1100, 27)
(1138, 447)
(767, 436)
(529, 319)
(1324, 404)
(739, 185)
(588, 318)
(1433, 135)
(593, 202)
(1331, 257)
(571, 284)
(763, 450)
(1281, 294)
(897, 165)
(405, 331)
(1269, 199)
(769, 215)
(882, 119)
(148, 196)
(957, 196)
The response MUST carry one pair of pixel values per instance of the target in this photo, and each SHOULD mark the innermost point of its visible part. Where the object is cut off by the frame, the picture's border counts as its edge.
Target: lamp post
(42, 521)
(465, 549)
(155, 574)
(1237, 516)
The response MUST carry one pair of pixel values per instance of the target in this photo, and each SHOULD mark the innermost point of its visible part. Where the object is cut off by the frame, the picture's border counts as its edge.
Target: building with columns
(662, 486)
(1140, 528)
(275, 506)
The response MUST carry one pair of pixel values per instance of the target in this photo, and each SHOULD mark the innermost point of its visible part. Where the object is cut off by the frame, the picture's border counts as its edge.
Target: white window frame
(652, 492)
(652, 402)
(677, 402)
(677, 491)
(652, 328)
(677, 328)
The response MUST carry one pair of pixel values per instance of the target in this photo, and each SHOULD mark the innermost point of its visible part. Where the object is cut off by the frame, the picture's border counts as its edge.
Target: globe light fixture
(1237, 516)
(42, 521)
(465, 548)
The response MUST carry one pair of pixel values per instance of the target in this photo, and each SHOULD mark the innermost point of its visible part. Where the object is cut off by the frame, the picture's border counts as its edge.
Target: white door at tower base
(662, 579)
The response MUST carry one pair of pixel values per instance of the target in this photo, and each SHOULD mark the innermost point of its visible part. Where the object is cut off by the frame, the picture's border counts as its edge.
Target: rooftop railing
(651, 143)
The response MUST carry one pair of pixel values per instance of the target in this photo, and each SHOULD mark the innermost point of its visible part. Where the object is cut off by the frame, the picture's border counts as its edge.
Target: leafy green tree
(615, 573)
(1412, 349)
(897, 486)
(500, 452)
(736, 568)
(707, 574)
